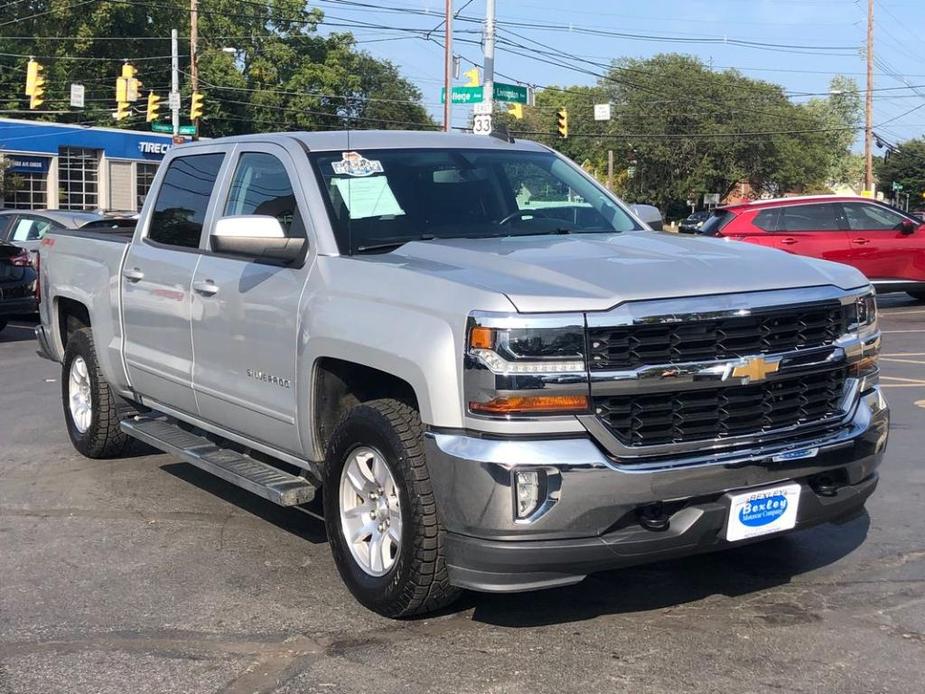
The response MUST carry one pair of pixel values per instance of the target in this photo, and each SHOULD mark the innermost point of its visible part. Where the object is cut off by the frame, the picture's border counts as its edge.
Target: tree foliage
(905, 166)
(679, 130)
(262, 65)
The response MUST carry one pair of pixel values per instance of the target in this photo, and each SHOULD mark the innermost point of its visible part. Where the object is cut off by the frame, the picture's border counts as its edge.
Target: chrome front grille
(667, 341)
(712, 414)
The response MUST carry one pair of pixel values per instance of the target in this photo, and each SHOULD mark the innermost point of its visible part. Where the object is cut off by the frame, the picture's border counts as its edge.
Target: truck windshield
(379, 199)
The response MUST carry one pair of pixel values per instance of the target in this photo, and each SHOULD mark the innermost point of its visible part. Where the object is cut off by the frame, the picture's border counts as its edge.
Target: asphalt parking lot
(146, 575)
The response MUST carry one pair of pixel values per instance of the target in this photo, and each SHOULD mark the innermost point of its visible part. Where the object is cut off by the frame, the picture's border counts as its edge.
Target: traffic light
(195, 108)
(132, 83)
(35, 84)
(562, 122)
(516, 110)
(122, 105)
(154, 105)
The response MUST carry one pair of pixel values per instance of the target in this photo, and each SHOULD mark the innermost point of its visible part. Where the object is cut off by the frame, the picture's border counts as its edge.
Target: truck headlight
(861, 313)
(523, 365)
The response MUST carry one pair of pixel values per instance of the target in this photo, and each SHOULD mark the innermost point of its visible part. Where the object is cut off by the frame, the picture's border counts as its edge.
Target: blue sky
(687, 25)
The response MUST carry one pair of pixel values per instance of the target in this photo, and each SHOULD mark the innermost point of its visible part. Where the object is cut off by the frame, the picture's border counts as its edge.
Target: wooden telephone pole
(869, 104)
(448, 68)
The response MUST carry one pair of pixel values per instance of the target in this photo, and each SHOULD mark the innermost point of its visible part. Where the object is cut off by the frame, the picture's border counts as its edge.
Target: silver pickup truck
(500, 378)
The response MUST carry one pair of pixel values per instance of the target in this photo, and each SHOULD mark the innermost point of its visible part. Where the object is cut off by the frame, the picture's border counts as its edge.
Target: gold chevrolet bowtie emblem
(756, 368)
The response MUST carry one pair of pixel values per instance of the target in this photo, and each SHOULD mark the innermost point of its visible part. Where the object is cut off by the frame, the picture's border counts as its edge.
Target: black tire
(103, 438)
(918, 296)
(418, 582)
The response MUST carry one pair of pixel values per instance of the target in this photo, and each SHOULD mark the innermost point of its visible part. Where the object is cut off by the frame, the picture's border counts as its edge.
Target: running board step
(241, 470)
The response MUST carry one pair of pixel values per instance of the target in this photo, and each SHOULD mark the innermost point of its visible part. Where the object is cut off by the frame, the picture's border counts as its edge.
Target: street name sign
(463, 95)
(510, 93)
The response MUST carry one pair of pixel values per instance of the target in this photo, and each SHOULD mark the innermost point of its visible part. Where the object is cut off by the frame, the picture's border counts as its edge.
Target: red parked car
(885, 244)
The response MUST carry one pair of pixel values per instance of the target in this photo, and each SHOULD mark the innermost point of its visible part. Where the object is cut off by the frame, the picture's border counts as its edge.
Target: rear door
(157, 278)
(813, 229)
(879, 248)
(247, 311)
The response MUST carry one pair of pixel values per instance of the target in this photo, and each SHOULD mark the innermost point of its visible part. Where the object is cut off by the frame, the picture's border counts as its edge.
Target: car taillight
(21, 259)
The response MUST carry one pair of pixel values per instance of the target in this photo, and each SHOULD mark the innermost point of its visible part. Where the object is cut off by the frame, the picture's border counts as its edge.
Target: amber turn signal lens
(534, 404)
(481, 338)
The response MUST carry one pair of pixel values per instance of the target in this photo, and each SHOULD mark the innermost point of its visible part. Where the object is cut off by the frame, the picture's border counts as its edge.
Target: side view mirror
(648, 214)
(907, 226)
(255, 236)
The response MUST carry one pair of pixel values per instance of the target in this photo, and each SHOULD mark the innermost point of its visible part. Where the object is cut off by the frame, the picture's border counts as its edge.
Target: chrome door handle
(133, 274)
(205, 287)
(789, 241)
(860, 241)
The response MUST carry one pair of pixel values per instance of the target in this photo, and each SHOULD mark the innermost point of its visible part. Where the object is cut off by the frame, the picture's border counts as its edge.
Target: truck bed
(86, 266)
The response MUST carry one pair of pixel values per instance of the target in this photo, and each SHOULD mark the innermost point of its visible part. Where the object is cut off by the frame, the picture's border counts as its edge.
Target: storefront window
(144, 177)
(26, 183)
(78, 178)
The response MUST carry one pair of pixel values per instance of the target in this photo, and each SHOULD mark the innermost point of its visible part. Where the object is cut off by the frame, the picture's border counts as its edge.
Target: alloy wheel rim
(370, 515)
(80, 400)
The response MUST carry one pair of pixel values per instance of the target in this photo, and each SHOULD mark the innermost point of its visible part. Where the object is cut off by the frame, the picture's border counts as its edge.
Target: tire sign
(481, 124)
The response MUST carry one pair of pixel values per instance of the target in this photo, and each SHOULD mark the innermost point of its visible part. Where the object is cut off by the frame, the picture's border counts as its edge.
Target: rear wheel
(920, 296)
(382, 522)
(92, 411)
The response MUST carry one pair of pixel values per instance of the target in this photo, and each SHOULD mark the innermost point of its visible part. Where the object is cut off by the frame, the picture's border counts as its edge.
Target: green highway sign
(463, 95)
(187, 129)
(511, 93)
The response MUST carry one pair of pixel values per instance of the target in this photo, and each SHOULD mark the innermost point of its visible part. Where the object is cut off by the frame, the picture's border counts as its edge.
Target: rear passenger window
(821, 217)
(769, 220)
(716, 222)
(182, 201)
(261, 186)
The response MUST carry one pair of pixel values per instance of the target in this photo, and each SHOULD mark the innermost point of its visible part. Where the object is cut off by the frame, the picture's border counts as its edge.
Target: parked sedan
(885, 244)
(26, 228)
(693, 222)
(17, 282)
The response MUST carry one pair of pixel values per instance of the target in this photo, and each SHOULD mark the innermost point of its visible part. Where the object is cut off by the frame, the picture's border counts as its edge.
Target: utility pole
(610, 170)
(174, 101)
(488, 79)
(193, 46)
(869, 103)
(447, 68)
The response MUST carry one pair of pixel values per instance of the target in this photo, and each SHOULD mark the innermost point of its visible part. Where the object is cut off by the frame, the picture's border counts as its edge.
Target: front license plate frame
(763, 511)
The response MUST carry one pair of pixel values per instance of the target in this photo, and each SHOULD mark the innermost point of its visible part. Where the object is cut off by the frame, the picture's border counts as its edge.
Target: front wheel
(92, 411)
(382, 522)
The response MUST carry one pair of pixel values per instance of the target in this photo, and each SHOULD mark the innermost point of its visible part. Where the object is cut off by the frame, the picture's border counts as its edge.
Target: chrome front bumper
(596, 496)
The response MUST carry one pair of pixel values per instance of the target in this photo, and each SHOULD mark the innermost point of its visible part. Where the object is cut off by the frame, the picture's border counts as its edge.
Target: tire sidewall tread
(418, 582)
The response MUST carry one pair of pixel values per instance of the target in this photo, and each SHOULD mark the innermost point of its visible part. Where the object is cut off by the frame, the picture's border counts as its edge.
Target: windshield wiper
(393, 244)
(542, 232)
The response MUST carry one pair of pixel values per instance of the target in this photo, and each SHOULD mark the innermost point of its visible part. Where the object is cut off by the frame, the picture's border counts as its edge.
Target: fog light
(527, 494)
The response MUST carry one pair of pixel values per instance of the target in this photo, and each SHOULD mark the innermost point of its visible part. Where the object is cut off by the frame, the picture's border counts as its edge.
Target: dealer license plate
(762, 511)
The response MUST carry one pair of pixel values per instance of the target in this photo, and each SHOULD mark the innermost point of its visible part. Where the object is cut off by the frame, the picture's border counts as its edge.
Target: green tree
(905, 166)
(840, 115)
(262, 65)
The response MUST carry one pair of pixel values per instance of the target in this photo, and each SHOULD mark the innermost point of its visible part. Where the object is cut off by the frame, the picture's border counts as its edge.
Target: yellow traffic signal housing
(33, 69)
(154, 105)
(195, 109)
(35, 85)
(122, 105)
(562, 122)
(122, 110)
(516, 110)
(473, 76)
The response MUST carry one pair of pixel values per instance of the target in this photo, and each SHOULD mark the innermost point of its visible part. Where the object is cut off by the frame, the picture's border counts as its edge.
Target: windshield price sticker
(355, 164)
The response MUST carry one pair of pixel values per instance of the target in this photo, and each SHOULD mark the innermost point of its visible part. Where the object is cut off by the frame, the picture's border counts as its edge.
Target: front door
(247, 311)
(156, 280)
(879, 248)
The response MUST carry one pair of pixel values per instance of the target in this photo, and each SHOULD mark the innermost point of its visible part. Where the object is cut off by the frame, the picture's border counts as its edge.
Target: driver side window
(261, 186)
